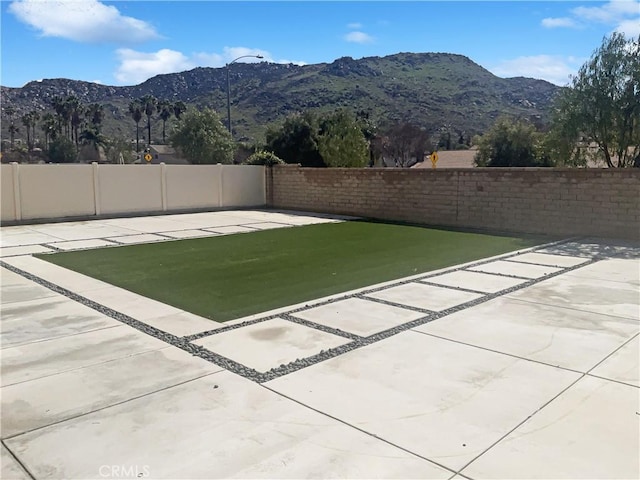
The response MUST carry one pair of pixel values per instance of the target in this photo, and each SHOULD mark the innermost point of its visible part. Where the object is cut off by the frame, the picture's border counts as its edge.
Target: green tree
(149, 104)
(62, 150)
(341, 142)
(118, 149)
(135, 110)
(201, 138)
(511, 143)
(296, 140)
(405, 143)
(602, 104)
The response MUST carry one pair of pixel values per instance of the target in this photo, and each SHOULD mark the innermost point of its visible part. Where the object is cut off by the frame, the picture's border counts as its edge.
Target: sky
(127, 42)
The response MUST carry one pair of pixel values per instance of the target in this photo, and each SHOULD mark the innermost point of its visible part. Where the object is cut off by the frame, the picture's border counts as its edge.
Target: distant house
(165, 154)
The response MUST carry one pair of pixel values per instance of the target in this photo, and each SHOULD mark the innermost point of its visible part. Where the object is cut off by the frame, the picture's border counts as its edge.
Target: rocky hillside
(434, 90)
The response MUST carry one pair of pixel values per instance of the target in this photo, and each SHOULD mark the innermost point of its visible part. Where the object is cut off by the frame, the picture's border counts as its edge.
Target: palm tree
(179, 108)
(135, 110)
(10, 111)
(48, 126)
(62, 114)
(91, 140)
(27, 118)
(76, 113)
(165, 109)
(35, 116)
(95, 112)
(149, 103)
(12, 133)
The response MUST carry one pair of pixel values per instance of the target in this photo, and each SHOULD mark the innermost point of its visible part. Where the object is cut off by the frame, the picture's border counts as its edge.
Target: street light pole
(229, 87)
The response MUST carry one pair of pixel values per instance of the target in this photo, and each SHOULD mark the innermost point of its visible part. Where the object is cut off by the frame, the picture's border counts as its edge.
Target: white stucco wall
(243, 186)
(60, 191)
(129, 188)
(7, 202)
(193, 186)
(56, 191)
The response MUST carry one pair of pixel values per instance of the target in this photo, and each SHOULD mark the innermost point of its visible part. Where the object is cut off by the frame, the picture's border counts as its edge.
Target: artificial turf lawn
(232, 276)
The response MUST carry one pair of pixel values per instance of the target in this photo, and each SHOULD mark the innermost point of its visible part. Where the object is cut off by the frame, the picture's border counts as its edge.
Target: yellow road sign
(434, 159)
(148, 157)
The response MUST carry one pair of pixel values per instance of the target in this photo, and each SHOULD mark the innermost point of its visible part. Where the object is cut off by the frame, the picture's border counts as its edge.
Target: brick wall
(602, 202)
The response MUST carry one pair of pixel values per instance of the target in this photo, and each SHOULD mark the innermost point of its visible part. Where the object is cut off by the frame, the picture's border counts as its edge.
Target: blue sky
(127, 42)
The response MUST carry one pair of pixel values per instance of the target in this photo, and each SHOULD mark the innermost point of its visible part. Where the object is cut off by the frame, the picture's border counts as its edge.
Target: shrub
(263, 157)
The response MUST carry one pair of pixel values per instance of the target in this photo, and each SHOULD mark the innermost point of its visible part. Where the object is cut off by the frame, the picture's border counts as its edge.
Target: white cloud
(136, 67)
(553, 69)
(622, 15)
(358, 37)
(631, 28)
(354, 26)
(558, 22)
(612, 12)
(82, 21)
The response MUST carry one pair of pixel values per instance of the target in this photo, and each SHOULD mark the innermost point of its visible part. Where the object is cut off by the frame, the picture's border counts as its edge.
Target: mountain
(433, 90)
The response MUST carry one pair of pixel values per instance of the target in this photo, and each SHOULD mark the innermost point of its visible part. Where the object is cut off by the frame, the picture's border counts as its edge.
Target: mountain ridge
(432, 90)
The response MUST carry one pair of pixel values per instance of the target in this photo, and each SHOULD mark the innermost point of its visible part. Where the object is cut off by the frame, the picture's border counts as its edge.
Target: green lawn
(228, 277)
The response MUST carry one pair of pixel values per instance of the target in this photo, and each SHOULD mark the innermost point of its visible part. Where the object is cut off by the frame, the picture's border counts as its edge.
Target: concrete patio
(524, 365)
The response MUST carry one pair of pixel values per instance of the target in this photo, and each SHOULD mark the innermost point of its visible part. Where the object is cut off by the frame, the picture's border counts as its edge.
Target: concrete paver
(68, 279)
(481, 282)
(614, 270)
(423, 296)
(219, 426)
(558, 336)
(505, 267)
(18, 289)
(10, 469)
(550, 259)
(141, 238)
(590, 431)
(265, 225)
(55, 398)
(226, 230)
(269, 344)
(358, 316)
(129, 303)
(48, 357)
(182, 324)
(23, 250)
(623, 365)
(92, 229)
(189, 234)
(51, 317)
(587, 294)
(425, 394)
(82, 244)
(22, 236)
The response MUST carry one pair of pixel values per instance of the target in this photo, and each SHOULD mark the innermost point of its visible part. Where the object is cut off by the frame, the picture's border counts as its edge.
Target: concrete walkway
(520, 366)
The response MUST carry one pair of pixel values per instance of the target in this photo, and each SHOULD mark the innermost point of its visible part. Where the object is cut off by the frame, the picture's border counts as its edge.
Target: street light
(229, 87)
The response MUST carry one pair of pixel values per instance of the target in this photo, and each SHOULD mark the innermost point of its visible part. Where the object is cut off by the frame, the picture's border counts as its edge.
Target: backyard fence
(602, 202)
(50, 191)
